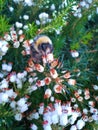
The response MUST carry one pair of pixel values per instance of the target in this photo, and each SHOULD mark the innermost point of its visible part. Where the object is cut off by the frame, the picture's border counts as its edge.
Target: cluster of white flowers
(6, 93)
(3, 48)
(24, 2)
(83, 4)
(43, 18)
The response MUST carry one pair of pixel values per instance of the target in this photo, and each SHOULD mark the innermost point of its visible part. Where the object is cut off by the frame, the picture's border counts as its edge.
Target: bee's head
(45, 48)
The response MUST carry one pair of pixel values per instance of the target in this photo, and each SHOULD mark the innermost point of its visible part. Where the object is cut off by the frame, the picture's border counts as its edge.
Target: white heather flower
(87, 6)
(10, 92)
(54, 117)
(0, 57)
(4, 84)
(52, 7)
(89, 1)
(20, 75)
(83, 3)
(23, 108)
(13, 104)
(52, 99)
(46, 126)
(11, 9)
(25, 17)
(41, 109)
(50, 57)
(73, 118)
(39, 67)
(4, 49)
(73, 99)
(28, 2)
(47, 117)
(4, 66)
(1, 76)
(95, 87)
(7, 37)
(16, 44)
(75, 106)
(47, 80)
(80, 124)
(25, 27)
(33, 127)
(58, 88)
(13, 78)
(63, 119)
(58, 108)
(53, 73)
(18, 117)
(74, 53)
(9, 67)
(79, 15)
(43, 17)
(95, 117)
(4, 97)
(85, 111)
(35, 115)
(18, 25)
(20, 32)
(96, 10)
(48, 93)
(21, 102)
(71, 81)
(73, 127)
(37, 22)
(93, 110)
(79, 91)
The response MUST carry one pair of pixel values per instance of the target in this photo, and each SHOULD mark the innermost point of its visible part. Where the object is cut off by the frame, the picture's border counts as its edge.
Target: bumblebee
(41, 46)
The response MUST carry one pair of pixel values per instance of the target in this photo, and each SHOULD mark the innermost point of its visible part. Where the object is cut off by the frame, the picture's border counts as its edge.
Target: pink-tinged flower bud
(47, 80)
(53, 73)
(71, 81)
(21, 38)
(46, 125)
(39, 68)
(58, 88)
(33, 127)
(67, 75)
(48, 93)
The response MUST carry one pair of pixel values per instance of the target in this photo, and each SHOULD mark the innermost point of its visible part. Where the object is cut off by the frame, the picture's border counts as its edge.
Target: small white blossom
(74, 54)
(13, 104)
(96, 10)
(18, 117)
(18, 25)
(4, 97)
(25, 17)
(28, 2)
(21, 102)
(20, 32)
(11, 9)
(89, 1)
(63, 119)
(52, 7)
(25, 27)
(33, 127)
(80, 124)
(54, 117)
(73, 127)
